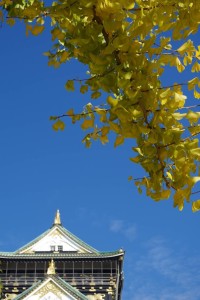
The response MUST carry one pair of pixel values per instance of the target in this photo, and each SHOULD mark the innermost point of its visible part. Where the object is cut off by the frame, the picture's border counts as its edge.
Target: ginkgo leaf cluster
(127, 47)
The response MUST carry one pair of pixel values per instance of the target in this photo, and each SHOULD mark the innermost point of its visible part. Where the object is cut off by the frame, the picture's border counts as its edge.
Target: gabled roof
(51, 284)
(56, 235)
(73, 241)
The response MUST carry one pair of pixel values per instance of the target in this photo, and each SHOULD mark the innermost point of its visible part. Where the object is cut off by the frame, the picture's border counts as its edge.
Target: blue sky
(43, 170)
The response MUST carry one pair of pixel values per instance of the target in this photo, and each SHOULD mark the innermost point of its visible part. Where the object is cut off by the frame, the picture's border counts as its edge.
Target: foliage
(129, 47)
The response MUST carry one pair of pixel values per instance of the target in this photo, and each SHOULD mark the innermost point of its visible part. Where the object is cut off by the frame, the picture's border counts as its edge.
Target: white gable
(52, 296)
(49, 296)
(49, 291)
(55, 240)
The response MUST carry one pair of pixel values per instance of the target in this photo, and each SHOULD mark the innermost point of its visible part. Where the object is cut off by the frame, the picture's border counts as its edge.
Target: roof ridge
(65, 231)
(74, 237)
(32, 242)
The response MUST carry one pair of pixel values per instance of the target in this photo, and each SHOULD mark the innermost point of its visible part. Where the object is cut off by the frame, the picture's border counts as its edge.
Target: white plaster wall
(44, 244)
(54, 238)
(49, 296)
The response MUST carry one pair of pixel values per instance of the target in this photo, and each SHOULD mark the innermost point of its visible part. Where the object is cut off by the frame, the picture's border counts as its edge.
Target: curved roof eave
(14, 255)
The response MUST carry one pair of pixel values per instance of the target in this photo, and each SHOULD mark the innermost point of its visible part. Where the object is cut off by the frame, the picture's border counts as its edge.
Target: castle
(59, 266)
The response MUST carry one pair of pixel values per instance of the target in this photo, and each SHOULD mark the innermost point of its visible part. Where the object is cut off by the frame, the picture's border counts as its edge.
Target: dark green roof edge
(68, 287)
(62, 255)
(60, 282)
(32, 242)
(65, 231)
(28, 291)
(79, 241)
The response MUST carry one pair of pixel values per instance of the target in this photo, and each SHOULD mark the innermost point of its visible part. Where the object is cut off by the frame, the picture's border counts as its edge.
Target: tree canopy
(129, 47)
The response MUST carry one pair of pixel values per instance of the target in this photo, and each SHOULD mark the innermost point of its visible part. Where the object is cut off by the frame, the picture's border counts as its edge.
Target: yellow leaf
(179, 116)
(102, 113)
(57, 34)
(180, 98)
(104, 139)
(95, 95)
(122, 113)
(196, 67)
(195, 152)
(10, 22)
(105, 130)
(194, 129)
(166, 93)
(192, 116)
(179, 65)
(179, 199)
(97, 59)
(87, 141)
(115, 127)
(64, 56)
(69, 85)
(119, 140)
(54, 63)
(196, 94)
(186, 46)
(161, 195)
(135, 159)
(169, 175)
(128, 75)
(196, 206)
(136, 149)
(37, 29)
(129, 4)
(187, 60)
(28, 28)
(112, 101)
(70, 112)
(192, 83)
(87, 124)
(195, 179)
(6, 3)
(84, 89)
(58, 125)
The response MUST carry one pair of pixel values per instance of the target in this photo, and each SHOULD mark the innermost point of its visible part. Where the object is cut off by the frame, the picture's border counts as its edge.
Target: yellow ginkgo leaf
(119, 140)
(37, 29)
(58, 125)
(69, 85)
(87, 124)
(196, 206)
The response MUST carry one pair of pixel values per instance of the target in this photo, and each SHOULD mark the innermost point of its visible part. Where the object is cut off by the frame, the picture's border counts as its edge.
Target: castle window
(60, 248)
(53, 248)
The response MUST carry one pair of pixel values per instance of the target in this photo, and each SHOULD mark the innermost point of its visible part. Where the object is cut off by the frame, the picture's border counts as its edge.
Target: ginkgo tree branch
(126, 46)
(136, 9)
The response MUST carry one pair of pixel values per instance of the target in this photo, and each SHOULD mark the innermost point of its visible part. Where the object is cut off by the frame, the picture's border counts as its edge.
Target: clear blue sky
(42, 170)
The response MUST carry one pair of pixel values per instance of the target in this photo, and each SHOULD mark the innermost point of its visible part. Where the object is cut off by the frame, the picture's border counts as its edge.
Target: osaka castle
(57, 265)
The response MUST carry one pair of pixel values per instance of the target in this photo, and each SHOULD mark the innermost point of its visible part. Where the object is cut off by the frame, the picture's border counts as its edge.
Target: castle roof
(58, 242)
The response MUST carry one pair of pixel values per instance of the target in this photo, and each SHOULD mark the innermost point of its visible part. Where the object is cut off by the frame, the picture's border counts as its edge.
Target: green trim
(29, 244)
(62, 255)
(78, 241)
(28, 291)
(65, 232)
(57, 281)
